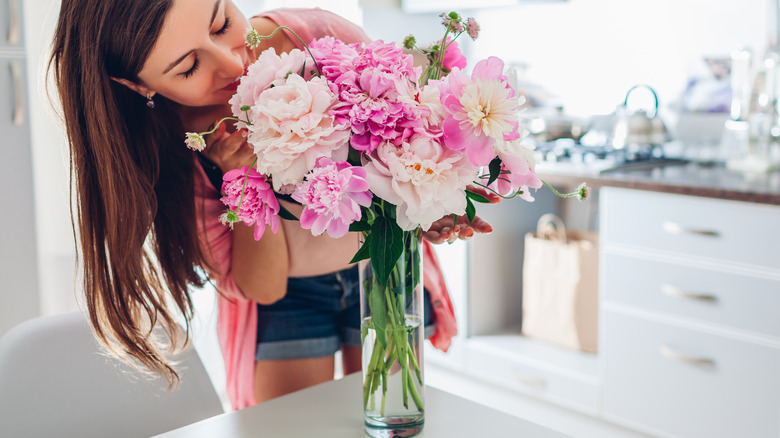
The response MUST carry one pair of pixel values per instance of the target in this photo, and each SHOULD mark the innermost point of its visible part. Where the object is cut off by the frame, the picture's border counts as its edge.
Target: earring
(149, 101)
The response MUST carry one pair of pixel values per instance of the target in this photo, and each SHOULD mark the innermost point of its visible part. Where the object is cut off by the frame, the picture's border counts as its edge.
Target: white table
(334, 410)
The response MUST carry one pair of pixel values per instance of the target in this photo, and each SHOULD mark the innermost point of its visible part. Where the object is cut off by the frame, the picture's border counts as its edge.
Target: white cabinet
(690, 330)
(18, 262)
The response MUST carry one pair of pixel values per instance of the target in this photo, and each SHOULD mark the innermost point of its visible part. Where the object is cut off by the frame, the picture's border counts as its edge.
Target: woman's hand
(443, 229)
(228, 150)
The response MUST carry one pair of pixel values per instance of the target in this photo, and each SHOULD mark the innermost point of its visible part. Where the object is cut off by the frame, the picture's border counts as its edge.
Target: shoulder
(311, 23)
(281, 41)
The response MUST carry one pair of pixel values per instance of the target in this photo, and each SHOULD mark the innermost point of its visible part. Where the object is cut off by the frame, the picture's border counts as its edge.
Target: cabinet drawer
(680, 382)
(563, 387)
(734, 300)
(739, 232)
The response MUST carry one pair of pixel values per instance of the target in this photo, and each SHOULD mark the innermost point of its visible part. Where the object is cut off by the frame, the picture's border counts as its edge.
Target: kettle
(638, 127)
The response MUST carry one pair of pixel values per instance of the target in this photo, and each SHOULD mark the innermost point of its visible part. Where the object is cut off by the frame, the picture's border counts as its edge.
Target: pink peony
(517, 169)
(453, 57)
(431, 109)
(380, 106)
(259, 206)
(483, 110)
(269, 70)
(292, 128)
(333, 56)
(378, 89)
(332, 195)
(423, 179)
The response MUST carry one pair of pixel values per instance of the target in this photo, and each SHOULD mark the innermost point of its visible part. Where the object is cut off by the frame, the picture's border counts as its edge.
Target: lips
(234, 85)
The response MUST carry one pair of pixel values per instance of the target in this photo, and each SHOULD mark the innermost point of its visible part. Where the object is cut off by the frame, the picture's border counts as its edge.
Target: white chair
(56, 382)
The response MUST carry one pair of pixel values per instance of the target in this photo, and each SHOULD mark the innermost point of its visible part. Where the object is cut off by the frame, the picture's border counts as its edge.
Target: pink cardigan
(237, 318)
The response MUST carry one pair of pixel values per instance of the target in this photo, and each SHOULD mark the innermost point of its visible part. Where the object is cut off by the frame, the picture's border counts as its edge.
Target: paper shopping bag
(560, 285)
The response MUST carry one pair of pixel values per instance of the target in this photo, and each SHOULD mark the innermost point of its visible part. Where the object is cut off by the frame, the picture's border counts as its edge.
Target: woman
(133, 77)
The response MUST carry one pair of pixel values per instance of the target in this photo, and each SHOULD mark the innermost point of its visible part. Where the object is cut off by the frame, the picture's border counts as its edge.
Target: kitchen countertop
(713, 181)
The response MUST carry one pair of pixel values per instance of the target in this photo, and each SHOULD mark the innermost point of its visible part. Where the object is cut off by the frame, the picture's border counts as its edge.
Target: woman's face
(200, 53)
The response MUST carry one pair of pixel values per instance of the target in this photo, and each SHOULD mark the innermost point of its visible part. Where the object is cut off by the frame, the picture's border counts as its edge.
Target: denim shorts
(316, 317)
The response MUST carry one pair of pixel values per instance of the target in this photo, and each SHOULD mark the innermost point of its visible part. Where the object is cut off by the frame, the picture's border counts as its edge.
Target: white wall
(590, 52)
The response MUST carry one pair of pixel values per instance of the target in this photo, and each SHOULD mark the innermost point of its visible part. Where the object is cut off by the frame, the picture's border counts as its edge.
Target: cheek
(194, 92)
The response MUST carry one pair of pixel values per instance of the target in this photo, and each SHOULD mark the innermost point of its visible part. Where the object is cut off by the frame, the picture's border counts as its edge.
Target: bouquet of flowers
(367, 141)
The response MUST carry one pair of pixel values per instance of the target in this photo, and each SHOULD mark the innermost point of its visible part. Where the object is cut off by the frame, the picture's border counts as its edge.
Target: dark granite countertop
(713, 181)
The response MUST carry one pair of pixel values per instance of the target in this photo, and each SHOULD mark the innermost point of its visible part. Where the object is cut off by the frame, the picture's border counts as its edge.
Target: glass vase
(392, 340)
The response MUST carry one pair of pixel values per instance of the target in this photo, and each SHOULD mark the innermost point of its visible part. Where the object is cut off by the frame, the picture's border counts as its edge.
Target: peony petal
(338, 229)
(259, 231)
(454, 137)
(490, 68)
(480, 151)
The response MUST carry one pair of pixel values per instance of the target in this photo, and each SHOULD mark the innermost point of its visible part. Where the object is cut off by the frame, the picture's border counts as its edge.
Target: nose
(230, 61)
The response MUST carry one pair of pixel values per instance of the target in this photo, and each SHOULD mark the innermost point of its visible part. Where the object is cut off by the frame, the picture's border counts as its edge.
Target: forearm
(260, 268)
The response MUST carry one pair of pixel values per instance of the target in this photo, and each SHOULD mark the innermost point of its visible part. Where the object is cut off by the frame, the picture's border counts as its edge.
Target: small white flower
(195, 141)
(228, 218)
(252, 37)
(583, 192)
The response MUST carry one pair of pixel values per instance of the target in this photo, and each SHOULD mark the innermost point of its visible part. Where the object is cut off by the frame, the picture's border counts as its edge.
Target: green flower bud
(409, 42)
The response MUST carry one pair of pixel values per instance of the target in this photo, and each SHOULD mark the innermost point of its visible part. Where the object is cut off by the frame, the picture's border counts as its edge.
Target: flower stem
(243, 188)
(306, 46)
(559, 194)
(216, 125)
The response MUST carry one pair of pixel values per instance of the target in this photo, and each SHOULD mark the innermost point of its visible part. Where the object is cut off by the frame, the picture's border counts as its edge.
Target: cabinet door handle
(17, 117)
(676, 228)
(13, 22)
(674, 291)
(673, 354)
(536, 382)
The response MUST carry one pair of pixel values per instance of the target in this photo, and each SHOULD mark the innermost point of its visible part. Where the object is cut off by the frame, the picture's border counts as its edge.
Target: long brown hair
(134, 213)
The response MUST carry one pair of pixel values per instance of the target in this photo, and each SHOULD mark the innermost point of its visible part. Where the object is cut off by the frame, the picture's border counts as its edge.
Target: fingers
(434, 237)
(490, 195)
(480, 225)
(228, 150)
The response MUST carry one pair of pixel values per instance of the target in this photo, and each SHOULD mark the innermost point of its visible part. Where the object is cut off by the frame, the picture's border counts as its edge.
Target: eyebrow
(181, 58)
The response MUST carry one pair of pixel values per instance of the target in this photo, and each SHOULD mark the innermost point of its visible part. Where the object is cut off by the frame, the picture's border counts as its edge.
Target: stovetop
(565, 155)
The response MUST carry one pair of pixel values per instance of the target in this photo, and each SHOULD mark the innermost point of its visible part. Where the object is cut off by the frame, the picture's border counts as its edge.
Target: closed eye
(224, 27)
(192, 69)
(187, 74)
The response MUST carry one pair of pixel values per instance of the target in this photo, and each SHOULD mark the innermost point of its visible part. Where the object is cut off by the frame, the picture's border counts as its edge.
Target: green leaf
(364, 252)
(376, 302)
(353, 157)
(476, 197)
(285, 214)
(471, 212)
(386, 247)
(359, 226)
(495, 170)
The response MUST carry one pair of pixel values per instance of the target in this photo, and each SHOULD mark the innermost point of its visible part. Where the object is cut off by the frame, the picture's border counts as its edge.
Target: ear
(138, 88)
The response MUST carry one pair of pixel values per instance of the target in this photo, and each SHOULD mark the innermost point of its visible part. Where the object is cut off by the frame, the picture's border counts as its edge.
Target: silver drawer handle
(674, 291)
(675, 228)
(682, 357)
(13, 22)
(536, 382)
(17, 117)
